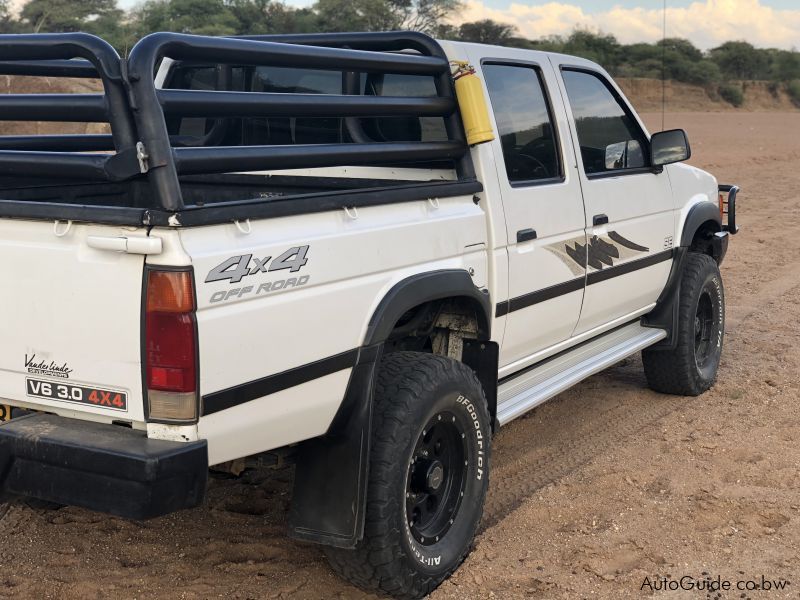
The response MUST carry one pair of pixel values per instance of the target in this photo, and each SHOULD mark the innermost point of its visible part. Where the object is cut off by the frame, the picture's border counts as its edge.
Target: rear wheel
(429, 470)
(691, 367)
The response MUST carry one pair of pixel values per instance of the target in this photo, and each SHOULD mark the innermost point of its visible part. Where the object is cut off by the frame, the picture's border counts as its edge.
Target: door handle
(130, 245)
(599, 220)
(525, 235)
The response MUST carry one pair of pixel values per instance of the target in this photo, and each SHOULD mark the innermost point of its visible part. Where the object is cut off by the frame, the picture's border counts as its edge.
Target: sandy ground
(591, 493)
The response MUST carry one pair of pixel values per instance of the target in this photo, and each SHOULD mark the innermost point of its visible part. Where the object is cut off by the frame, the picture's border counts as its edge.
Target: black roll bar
(139, 141)
(84, 108)
(388, 41)
(56, 49)
(254, 104)
(192, 161)
(79, 69)
(166, 163)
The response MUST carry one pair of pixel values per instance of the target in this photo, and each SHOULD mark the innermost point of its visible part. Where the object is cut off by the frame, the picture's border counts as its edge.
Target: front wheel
(429, 471)
(691, 367)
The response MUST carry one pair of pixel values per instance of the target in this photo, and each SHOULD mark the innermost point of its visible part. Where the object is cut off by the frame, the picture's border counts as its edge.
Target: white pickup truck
(291, 241)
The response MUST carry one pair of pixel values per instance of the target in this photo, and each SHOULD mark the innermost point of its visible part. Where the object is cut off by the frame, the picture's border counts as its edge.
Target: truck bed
(213, 137)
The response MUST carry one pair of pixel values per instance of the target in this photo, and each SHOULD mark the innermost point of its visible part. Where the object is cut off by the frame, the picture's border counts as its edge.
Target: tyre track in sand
(561, 447)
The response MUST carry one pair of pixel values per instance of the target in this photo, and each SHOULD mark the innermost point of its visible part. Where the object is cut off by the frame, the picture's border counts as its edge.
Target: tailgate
(70, 320)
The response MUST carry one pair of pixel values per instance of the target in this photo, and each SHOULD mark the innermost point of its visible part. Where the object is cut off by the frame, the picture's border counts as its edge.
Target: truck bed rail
(140, 145)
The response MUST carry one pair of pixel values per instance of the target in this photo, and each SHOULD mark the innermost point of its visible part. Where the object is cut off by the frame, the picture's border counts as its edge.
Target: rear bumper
(106, 468)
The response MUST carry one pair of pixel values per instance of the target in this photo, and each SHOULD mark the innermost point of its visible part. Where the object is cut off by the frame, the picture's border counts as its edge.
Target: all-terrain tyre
(429, 471)
(691, 367)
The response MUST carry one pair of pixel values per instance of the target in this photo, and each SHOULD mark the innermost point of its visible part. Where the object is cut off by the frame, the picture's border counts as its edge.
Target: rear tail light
(171, 346)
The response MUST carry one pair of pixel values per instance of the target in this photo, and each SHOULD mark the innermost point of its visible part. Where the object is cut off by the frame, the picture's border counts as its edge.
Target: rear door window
(524, 122)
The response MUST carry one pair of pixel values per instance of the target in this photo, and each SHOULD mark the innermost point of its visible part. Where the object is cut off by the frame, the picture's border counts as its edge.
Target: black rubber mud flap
(330, 485)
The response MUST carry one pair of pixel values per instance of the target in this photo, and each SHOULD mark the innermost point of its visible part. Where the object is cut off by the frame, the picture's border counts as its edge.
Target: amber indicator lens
(170, 291)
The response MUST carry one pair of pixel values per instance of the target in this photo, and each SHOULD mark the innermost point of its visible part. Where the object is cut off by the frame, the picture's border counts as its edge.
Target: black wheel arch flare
(329, 496)
(665, 313)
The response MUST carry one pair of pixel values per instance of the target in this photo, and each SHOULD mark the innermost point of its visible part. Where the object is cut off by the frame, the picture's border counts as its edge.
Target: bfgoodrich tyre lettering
(429, 471)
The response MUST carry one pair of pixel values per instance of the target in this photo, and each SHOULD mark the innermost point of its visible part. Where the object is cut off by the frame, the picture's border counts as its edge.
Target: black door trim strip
(271, 384)
(573, 285)
(548, 293)
(628, 267)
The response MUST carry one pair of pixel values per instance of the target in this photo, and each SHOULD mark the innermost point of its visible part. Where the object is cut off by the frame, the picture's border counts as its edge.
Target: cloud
(706, 23)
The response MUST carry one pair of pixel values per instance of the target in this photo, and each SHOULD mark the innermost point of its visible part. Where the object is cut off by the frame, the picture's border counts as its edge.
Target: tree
(423, 15)
(785, 65)
(601, 48)
(7, 23)
(268, 17)
(681, 47)
(354, 15)
(487, 31)
(66, 15)
(204, 17)
(740, 60)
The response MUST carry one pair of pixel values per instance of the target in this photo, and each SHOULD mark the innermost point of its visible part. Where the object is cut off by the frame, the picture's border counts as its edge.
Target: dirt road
(591, 493)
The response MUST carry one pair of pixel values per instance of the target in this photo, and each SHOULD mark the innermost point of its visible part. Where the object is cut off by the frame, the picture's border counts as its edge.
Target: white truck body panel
(353, 261)
(80, 306)
(62, 320)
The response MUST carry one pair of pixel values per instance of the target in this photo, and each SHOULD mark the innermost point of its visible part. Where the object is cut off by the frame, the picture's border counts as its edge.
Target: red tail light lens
(171, 353)
(170, 346)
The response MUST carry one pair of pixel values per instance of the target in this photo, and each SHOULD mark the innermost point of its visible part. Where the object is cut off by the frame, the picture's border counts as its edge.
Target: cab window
(610, 138)
(524, 123)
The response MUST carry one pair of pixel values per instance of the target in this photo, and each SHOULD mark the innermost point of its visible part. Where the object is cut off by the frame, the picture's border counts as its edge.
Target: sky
(707, 23)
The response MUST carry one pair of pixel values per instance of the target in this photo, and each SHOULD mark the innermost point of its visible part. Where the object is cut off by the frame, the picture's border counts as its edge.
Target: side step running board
(521, 393)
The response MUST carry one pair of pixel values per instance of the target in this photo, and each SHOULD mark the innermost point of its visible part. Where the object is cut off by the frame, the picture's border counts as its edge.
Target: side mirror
(667, 147)
(624, 155)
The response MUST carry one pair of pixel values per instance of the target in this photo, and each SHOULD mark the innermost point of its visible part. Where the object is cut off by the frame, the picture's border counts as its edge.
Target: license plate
(5, 412)
(79, 394)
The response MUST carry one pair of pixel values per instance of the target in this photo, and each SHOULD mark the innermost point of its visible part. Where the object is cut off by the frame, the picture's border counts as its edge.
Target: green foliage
(207, 17)
(486, 32)
(66, 15)
(355, 15)
(422, 15)
(740, 60)
(732, 94)
(266, 16)
(673, 58)
(793, 89)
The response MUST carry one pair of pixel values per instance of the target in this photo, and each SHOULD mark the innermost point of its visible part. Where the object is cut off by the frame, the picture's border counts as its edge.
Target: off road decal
(79, 394)
(601, 251)
(236, 268)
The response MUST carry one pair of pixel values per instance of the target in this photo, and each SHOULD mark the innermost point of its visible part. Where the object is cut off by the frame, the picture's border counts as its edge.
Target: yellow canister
(472, 105)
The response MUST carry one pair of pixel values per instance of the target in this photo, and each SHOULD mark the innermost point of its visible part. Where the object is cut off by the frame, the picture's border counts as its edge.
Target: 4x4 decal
(235, 268)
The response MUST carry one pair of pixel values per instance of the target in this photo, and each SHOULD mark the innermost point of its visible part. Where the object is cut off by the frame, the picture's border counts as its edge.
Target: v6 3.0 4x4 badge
(80, 394)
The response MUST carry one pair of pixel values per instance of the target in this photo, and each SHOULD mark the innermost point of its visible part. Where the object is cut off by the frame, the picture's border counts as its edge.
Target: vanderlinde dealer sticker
(36, 366)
